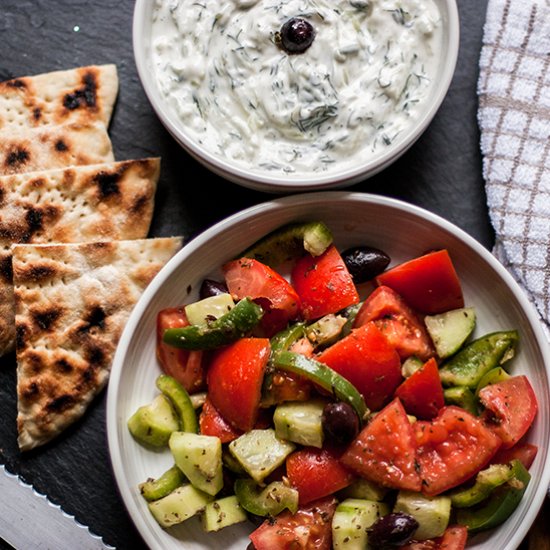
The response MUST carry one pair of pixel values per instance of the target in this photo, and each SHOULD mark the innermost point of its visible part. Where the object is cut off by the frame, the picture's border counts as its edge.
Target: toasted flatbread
(49, 147)
(72, 302)
(112, 201)
(81, 95)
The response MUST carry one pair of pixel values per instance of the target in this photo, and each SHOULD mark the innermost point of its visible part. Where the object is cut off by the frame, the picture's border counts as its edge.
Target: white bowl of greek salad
(288, 96)
(332, 370)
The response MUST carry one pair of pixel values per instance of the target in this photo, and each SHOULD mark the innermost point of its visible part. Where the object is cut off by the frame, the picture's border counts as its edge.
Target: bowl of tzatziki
(296, 95)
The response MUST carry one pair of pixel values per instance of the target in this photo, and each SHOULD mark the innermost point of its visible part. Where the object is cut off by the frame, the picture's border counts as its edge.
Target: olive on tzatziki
(296, 86)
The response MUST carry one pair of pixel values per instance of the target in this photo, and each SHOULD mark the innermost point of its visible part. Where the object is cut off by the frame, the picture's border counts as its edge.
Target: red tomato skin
(452, 448)
(369, 362)
(524, 452)
(308, 529)
(249, 278)
(397, 321)
(385, 450)
(316, 473)
(429, 283)
(183, 365)
(422, 393)
(235, 375)
(211, 422)
(511, 407)
(454, 538)
(323, 283)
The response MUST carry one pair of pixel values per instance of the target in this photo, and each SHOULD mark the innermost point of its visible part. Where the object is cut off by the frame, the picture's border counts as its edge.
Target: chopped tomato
(398, 322)
(454, 538)
(428, 283)
(422, 393)
(183, 365)
(524, 452)
(368, 361)
(316, 473)
(323, 283)
(385, 450)
(452, 448)
(511, 407)
(250, 278)
(308, 529)
(211, 422)
(235, 376)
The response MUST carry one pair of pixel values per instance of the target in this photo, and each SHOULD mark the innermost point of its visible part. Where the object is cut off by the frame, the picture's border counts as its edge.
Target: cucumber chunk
(351, 521)
(199, 457)
(365, 489)
(326, 330)
(221, 513)
(289, 242)
(260, 452)
(266, 501)
(153, 424)
(432, 513)
(180, 505)
(449, 330)
(300, 422)
(208, 309)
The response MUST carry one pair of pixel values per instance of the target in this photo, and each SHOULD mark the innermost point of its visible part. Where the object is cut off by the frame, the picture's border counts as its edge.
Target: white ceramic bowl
(337, 175)
(403, 231)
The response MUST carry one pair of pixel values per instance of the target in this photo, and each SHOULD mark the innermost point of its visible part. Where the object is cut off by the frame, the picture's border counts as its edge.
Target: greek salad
(336, 400)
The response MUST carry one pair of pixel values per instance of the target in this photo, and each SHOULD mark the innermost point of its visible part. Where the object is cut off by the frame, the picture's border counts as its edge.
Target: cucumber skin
(235, 324)
(181, 401)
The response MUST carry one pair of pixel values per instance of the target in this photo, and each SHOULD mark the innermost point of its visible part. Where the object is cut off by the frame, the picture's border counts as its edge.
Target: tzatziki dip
(296, 86)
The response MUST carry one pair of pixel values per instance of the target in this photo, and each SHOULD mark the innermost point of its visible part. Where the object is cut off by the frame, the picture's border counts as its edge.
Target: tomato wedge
(397, 321)
(368, 361)
(248, 278)
(454, 538)
(452, 448)
(422, 393)
(524, 452)
(511, 407)
(235, 376)
(316, 473)
(428, 283)
(385, 450)
(308, 529)
(323, 283)
(185, 366)
(211, 422)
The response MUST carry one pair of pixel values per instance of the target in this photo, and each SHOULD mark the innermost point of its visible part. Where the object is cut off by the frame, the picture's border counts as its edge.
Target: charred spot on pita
(47, 318)
(34, 219)
(61, 146)
(37, 113)
(96, 357)
(60, 403)
(21, 332)
(6, 268)
(107, 183)
(31, 391)
(86, 96)
(17, 157)
(64, 366)
(95, 318)
(16, 83)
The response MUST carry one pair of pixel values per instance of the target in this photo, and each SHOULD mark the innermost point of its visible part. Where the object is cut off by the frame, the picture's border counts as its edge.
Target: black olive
(296, 35)
(211, 288)
(393, 529)
(340, 422)
(364, 262)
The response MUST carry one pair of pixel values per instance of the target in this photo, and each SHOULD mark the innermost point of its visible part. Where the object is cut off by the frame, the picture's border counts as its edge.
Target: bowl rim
(527, 307)
(268, 182)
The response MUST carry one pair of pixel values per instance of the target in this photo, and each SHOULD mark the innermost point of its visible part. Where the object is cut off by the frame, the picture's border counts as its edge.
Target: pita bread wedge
(48, 147)
(72, 302)
(112, 201)
(81, 95)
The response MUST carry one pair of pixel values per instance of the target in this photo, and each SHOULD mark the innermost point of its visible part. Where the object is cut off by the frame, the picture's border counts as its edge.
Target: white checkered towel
(514, 119)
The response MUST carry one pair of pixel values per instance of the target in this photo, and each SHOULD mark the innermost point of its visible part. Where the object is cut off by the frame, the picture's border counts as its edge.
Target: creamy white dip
(352, 93)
